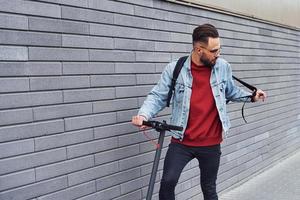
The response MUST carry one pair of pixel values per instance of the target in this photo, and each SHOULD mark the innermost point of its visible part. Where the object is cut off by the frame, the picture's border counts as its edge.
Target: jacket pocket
(179, 92)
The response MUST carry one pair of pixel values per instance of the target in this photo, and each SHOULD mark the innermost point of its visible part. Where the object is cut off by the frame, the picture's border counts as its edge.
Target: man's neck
(196, 59)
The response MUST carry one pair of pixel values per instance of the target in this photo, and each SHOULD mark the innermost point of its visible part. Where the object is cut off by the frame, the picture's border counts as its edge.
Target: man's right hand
(138, 121)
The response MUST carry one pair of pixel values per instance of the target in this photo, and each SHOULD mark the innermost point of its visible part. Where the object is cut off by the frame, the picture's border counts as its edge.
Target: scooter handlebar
(162, 126)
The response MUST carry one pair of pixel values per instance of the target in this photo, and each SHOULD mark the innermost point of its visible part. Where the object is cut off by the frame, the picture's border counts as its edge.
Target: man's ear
(200, 51)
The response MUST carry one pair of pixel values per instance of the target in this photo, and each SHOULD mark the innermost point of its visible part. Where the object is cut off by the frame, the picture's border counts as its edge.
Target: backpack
(176, 73)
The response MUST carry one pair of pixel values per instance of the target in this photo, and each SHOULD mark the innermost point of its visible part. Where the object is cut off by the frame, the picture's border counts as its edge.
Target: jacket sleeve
(233, 92)
(157, 98)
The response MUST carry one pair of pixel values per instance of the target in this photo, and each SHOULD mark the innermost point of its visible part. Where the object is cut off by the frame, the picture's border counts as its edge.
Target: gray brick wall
(73, 72)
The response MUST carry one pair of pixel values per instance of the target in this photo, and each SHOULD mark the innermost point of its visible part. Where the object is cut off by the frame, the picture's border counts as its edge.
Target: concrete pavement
(281, 182)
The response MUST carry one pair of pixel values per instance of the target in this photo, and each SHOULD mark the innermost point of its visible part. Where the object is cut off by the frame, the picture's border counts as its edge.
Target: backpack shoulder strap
(176, 72)
(250, 87)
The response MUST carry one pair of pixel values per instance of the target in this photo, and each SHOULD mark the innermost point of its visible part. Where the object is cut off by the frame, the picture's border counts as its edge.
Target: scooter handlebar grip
(147, 123)
(175, 128)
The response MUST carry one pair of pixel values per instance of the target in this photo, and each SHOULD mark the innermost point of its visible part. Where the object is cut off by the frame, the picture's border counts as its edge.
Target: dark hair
(203, 32)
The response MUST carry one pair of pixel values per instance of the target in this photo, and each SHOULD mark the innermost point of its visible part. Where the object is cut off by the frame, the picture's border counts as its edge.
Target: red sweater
(204, 127)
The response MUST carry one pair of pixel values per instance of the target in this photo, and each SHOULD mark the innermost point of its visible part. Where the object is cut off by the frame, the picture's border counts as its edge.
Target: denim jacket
(222, 86)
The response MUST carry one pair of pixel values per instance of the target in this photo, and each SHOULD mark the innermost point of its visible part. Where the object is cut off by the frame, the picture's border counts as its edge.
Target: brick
(90, 197)
(140, 2)
(230, 173)
(263, 136)
(135, 91)
(17, 179)
(90, 121)
(30, 38)
(227, 166)
(80, 3)
(29, 68)
(72, 192)
(146, 169)
(118, 178)
(153, 57)
(31, 8)
(104, 195)
(13, 53)
(114, 105)
(13, 21)
(16, 148)
(24, 131)
(15, 116)
(45, 83)
(14, 84)
(135, 161)
(115, 31)
(107, 30)
(114, 130)
(92, 173)
(172, 47)
(147, 78)
(148, 146)
(116, 154)
(244, 143)
(104, 55)
(88, 68)
(44, 98)
(159, 67)
(88, 94)
(250, 156)
(133, 21)
(171, 26)
(87, 15)
(50, 83)
(61, 111)
(131, 185)
(91, 147)
(64, 139)
(176, 56)
(135, 68)
(125, 116)
(64, 167)
(134, 138)
(110, 193)
(181, 37)
(131, 44)
(36, 189)
(32, 160)
(112, 80)
(57, 54)
(87, 42)
(152, 13)
(189, 193)
(117, 7)
(136, 195)
(58, 25)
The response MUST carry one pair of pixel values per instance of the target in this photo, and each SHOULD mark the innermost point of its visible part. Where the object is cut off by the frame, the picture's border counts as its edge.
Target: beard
(207, 62)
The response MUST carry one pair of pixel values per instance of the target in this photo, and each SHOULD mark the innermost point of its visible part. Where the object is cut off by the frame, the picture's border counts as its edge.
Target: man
(199, 106)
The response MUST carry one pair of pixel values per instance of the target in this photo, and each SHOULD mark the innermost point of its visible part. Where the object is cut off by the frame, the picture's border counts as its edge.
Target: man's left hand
(259, 95)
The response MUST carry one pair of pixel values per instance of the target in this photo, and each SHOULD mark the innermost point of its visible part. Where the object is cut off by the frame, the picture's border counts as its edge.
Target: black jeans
(178, 156)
